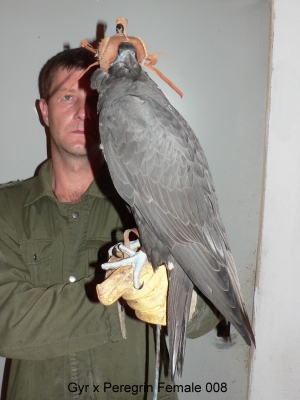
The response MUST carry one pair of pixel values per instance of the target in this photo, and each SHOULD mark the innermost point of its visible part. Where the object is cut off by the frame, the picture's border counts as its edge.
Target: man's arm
(44, 322)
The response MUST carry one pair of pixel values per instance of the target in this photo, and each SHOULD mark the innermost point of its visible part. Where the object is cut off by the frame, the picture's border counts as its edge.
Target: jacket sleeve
(203, 318)
(45, 322)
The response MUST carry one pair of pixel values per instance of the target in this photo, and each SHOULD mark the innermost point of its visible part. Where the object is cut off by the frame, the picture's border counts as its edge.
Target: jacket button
(72, 278)
(75, 214)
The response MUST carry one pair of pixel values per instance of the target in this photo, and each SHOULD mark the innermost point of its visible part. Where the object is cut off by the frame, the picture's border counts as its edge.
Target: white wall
(217, 54)
(275, 366)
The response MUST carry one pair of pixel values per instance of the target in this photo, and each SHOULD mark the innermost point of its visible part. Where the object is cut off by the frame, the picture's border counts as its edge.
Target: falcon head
(126, 64)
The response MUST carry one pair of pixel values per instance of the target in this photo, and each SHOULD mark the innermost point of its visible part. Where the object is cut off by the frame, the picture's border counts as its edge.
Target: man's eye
(67, 97)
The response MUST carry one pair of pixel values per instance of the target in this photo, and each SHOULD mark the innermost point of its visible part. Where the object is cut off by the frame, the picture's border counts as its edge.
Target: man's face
(72, 121)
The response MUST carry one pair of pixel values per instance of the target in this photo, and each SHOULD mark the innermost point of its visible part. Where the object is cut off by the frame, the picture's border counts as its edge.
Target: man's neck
(72, 178)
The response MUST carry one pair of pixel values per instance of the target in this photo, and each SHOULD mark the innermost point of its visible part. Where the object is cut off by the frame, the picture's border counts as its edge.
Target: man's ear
(44, 111)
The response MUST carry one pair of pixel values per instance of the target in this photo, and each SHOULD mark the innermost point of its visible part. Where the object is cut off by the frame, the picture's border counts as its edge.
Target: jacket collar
(102, 187)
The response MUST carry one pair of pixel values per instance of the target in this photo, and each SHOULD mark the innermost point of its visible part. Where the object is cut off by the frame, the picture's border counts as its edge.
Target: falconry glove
(149, 302)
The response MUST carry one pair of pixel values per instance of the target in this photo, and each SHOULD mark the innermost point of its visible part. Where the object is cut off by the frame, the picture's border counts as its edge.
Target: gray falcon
(159, 168)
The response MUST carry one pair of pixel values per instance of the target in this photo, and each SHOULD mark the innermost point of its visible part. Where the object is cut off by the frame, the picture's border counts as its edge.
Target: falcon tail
(179, 301)
(219, 285)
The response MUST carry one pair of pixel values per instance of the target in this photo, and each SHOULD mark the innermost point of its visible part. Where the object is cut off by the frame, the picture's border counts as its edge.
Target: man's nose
(83, 110)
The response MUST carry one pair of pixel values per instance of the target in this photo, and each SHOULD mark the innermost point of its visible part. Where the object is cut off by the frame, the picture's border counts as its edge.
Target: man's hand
(149, 302)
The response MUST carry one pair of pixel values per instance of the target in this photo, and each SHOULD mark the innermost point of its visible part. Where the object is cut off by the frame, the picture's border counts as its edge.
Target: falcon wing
(159, 167)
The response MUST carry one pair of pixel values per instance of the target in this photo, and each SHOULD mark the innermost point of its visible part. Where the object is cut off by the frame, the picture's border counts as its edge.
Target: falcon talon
(115, 264)
(138, 285)
(134, 244)
(112, 250)
(136, 259)
(126, 250)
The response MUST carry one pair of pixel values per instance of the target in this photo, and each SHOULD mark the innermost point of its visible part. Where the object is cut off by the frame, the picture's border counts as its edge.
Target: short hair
(71, 59)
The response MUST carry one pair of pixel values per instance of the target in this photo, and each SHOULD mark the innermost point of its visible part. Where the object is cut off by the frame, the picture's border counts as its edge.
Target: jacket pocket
(37, 255)
(96, 250)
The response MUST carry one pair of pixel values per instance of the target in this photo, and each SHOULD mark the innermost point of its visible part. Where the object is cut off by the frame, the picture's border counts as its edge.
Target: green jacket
(62, 342)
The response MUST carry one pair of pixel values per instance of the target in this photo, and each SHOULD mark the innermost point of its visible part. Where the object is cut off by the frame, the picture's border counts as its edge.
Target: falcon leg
(136, 259)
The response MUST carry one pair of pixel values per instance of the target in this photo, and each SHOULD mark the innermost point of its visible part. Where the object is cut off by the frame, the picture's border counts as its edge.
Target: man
(54, 232)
